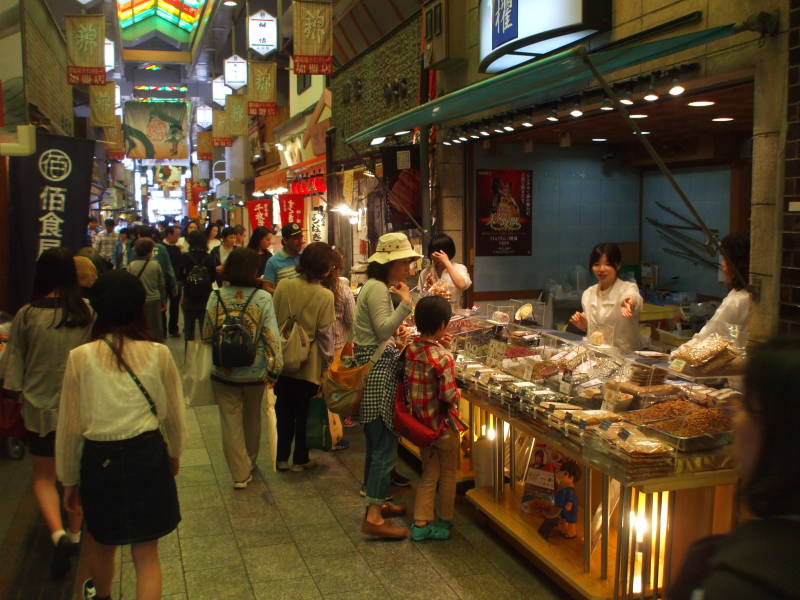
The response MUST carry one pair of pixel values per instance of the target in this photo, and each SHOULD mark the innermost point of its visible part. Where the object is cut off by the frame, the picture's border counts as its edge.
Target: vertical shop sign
(86, 35)
(402, 176)
(260, 213)
(504, 21)
(101, 105)
(504, 213)
(205, 147)
(292, 208)
(262, 99)
(115, 140)
(156, 129)
(50, 202)
(235, 72)
(262, 32)
(220, 135)
(236, 115)
(319, 224)
(313, 38)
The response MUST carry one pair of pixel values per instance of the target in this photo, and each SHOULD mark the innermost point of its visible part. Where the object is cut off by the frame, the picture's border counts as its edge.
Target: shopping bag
(197, 374)
(270, 424)
(342, 386)
(318, 430)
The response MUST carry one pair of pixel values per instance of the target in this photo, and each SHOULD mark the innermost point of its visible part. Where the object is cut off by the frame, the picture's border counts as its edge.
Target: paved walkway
(292, 536)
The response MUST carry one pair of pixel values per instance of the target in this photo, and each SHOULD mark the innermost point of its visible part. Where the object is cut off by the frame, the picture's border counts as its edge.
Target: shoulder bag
(138, 383)
(295, 343)
(343, 387)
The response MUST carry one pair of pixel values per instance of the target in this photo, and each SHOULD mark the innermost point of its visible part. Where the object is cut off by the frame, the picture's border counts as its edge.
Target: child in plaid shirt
(433, 395)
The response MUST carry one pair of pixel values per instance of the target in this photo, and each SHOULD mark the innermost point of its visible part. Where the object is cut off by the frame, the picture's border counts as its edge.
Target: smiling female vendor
(611, 306)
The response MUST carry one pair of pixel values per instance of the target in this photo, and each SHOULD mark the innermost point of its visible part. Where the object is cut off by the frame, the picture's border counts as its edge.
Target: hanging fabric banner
(86, 35)
(260, 213)
(220, 134)
(101, 105)
(261, 91)
(205, 147)
(292, 208)
(236, 114)
(49, 192)
(156, 129)
(115, 140)
(313, 38)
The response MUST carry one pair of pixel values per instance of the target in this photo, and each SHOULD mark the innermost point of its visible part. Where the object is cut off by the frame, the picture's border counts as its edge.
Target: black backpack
(197, 283)
(233, 345)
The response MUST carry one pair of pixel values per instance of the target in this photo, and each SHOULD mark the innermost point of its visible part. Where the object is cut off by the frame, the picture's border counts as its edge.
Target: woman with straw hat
(374, 325)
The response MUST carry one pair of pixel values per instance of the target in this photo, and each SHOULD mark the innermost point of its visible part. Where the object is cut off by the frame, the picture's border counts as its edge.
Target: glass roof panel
(181, 13)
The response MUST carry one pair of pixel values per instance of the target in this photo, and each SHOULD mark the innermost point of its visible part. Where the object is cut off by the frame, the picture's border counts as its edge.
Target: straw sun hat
(393, 246)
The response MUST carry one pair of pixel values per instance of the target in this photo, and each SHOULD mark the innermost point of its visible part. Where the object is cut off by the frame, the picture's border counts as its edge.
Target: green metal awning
(539, 82)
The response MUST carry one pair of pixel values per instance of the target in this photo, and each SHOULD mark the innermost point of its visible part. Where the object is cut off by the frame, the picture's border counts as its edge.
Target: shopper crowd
(104, 408)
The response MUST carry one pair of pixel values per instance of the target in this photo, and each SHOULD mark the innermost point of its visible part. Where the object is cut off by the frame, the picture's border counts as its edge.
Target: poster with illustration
(540, 479)
(504, 212)
(156, 129)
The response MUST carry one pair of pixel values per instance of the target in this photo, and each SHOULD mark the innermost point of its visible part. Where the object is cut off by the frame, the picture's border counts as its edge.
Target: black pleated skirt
(127, 490)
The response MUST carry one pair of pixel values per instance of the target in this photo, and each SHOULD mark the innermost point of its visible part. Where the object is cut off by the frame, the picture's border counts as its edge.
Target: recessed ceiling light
(599, 139)
(446, 143)
(498, 129)
(607, 104)
(485, 133)
(651, 95)
(643, 133)
(404, 132)
(701, 103)
(463, 138)
(677, 89)
(377, 141)
(527, 124)
(552, 116)
(639, 116)
(230, 3)
(627, 98)
(722, 119)
(474, 136)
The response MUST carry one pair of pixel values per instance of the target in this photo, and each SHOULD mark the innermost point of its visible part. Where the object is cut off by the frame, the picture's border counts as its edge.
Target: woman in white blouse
(610, 307)
(441, 251)
(121, 430)
(183, 242)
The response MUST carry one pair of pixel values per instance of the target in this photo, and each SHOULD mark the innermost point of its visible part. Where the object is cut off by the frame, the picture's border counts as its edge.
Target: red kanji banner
(292, 208)
(260, 213)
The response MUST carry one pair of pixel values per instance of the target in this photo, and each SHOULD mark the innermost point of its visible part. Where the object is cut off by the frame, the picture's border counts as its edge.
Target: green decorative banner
(156, 130)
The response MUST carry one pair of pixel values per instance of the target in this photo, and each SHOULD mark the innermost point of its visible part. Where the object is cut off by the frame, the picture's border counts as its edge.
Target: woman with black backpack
(246, 349)
(196, 273)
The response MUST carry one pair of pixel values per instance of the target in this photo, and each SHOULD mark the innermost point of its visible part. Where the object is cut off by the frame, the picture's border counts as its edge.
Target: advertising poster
(156, 130)
(50, 203)
(403, 182)
(504, 210)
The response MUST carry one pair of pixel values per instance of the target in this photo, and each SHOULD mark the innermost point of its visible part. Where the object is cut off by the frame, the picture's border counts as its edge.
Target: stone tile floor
(292, 536)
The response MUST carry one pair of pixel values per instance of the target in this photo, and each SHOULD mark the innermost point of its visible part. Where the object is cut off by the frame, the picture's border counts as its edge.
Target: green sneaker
(430, 532)
(443, 523)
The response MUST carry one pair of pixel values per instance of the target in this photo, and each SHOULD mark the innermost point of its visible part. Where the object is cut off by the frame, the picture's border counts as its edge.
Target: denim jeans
(380, 459)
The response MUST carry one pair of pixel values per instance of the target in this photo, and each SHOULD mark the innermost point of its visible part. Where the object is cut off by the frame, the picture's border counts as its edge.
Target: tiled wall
(709, 189)
(579, 199)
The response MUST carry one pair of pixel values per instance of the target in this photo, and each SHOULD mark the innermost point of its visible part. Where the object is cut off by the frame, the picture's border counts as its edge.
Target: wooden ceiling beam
(358, 28)
(396, 10)
(372, 19)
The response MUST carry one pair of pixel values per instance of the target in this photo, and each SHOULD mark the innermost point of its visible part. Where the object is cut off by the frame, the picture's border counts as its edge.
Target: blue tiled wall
(578, 200)
(709, 189)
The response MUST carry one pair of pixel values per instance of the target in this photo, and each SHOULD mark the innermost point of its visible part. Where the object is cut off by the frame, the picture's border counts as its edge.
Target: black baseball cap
(291, 229)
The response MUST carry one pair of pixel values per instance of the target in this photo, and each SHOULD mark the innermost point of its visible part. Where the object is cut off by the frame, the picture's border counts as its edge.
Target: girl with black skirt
(121, 430)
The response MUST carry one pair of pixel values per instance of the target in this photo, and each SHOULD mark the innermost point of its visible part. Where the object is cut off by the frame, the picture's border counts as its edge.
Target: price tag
(624, 434)
(497, 350)
(566, 376)
(605, 425)
(527, 373)
(565, 386)
(677, 364)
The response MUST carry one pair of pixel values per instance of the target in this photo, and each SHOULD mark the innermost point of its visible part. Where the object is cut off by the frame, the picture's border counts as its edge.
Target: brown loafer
(386, 530)
(392, 510)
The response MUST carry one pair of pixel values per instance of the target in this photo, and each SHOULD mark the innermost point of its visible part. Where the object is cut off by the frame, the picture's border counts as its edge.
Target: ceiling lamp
(509, 126)
(722, 119)
(599, 139)
(651, 95)
(528, 122)
(607, 104)
(498, 128)
(677, 89)
(446, 143)
(643, 133)
(701, 103)
(377, 141)
(484, 131)
(576, 110)
(463, 138)
(552, 115)
(639, 116)
(474, 134)
(279, 147)
(627, 98)
(401, 133)
(230, 3)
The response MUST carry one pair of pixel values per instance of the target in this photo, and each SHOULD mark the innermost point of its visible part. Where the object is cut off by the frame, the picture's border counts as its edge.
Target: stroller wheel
(15, 448)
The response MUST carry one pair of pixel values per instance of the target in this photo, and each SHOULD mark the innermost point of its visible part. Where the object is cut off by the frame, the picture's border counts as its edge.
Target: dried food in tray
(661, 411)
(586, 418)
(705, 430)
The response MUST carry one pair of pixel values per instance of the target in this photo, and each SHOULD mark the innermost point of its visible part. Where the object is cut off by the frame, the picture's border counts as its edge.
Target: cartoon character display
(563, 514)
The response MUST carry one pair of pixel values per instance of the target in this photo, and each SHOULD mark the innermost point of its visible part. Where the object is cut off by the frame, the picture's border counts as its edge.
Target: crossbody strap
(138, 383)
(146, 262)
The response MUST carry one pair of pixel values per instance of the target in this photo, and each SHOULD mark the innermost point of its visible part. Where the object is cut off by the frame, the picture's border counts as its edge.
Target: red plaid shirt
(431, 384)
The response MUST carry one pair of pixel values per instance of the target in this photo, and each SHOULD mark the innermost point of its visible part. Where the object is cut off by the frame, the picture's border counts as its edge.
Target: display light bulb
(651, 95)
(498, 129)
(474, 136)
(446, 143)
(377, 141)
(491, 434)
(607, 104)
(230, 3)
(463, 138)
(509, 126)
(722, 119)
(701, 103)
(627, 98)
(677, 89)
(576, 111)
(485, 132)
(552, 116)
(279, 146)
(528, 123)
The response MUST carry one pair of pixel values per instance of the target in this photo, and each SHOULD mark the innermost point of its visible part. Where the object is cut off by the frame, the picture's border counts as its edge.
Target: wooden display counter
(633, 532)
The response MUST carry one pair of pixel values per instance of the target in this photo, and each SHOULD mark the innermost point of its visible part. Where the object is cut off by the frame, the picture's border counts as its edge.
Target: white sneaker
(240, 485)
(304, 467)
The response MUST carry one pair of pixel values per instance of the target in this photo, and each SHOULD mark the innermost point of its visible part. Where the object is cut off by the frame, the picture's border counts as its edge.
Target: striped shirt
(105, 243)
(281, 266)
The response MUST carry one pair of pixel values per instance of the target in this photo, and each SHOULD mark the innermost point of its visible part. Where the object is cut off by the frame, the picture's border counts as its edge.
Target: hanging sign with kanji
(262, 32)
(156, 129)
(101, 105)
(236, 114)
(292, 208)
(260, 213)
(262, 97)
(205, 146)
(313, 38)
(115, 140)
(86, 35)
(235, 72)
(220, 135)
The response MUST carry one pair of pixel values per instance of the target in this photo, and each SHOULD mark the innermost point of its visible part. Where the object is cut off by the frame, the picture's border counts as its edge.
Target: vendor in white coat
(441, 251)
(611, 306)
(730, 319)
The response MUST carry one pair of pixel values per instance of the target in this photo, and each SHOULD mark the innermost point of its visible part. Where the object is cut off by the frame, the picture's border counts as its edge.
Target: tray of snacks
(700, 430)
(588, 418)
(661, 411)
(642, 454)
